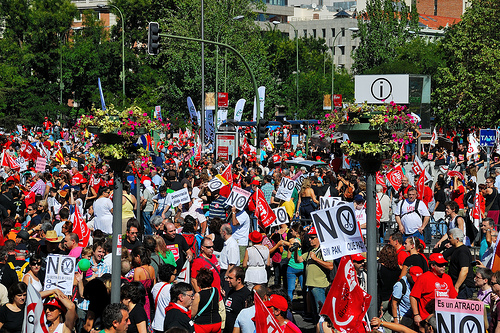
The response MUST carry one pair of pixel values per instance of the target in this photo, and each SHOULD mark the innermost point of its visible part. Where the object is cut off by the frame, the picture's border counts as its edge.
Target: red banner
(29, 152)
(347, 303)
(222, 100)
(80, 228)
(421, 184)
(263, 212)
(264, 320)
(395, 177)
(337, 100)
(228, 174)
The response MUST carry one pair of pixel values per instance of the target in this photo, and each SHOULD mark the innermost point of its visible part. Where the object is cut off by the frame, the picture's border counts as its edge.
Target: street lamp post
(239, 17)
(61, 83)
(123, 47)
(333, 60)
(296, 57)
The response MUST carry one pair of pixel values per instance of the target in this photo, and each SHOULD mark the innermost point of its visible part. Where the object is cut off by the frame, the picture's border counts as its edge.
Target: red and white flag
(264, 213)
(395, 177)
(418, 166)
(347, 303)
(434, 137)
(379, 211)
(228, 174)
(34, 316)
(8, 160)
(264, 320)
(381, 181)
(476, 211)
(185, 274)
(422, 179)
(473, 148)
(346, 163)
(80, 228)
(29, 152)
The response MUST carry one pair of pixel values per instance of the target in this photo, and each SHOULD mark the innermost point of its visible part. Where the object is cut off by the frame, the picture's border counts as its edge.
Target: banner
(457, 315)
(103, 104)
(179, 197)
(281, 217)
(209, 126)
(8, 160)
(80, 228)
(285, 190)
(417, 166)
(210, 101)
(228, 174)
(239, 198)
(264, 320)
(34, 317)
(217, 183)
(338, 231)
(60, 271)
(221, 117)
(473, 148)
(347, 303)
(192, 111)
(265, 215)
(185, 274)
(238, 109)
(328, 202)
(41, 162)
(395, 177)
(29, 152)
(262, 98)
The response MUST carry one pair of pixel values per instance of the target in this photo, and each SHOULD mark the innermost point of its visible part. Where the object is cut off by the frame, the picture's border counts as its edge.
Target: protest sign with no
(238, 198)
(281, 216)
(60, 271)
(285, 189)
(179, 197)
(338, 231)
(459, 316)
(327, 202)
(217, 183)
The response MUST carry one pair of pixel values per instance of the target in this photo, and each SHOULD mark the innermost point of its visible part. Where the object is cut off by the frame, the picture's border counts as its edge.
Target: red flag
(417, 167)
(379, 210)
(476, 212)
(395, 177)
(228, 174)
(347, 303)
(264, 320)
(2, 239)
(380, 180)
(29, 152)
(263, 212)
(80, 228)
(421, 184)
(8, 160)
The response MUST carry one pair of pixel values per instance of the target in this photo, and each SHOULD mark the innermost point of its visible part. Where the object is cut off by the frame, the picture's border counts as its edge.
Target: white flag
(34, 317)
(262, 99)
(238, 109)
(185, 274)
(434, 138)
(473, 146)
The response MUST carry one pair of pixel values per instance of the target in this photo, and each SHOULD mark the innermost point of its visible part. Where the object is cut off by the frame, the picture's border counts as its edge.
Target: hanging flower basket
(359, 133)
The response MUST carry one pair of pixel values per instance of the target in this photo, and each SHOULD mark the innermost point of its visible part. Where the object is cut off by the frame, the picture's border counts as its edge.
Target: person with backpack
(400, 300)
(412, 215)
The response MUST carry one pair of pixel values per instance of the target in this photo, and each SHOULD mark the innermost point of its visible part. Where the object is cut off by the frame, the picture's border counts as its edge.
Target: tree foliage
(468, 86)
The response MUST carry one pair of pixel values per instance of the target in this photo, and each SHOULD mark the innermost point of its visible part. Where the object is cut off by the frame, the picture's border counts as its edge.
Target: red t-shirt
(402, 255)
(428, 287)
(77, 178)
(458, 196)
(200, 262)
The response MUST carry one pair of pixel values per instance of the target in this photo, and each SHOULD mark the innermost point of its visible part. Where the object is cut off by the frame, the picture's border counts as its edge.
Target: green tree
(468, 86)
(383, 28)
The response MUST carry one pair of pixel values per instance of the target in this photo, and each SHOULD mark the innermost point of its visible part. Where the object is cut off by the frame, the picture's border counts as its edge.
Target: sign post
(487, 137)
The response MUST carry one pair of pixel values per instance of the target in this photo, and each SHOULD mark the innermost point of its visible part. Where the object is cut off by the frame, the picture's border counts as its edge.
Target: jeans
(319, 295)
(147, 225)
(291, 275)
(416, 234)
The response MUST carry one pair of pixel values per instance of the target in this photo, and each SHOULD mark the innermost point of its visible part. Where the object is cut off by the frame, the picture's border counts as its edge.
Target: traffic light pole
(252, 76)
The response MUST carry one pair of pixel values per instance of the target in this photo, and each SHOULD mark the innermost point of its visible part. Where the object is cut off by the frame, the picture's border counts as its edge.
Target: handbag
(206, 305)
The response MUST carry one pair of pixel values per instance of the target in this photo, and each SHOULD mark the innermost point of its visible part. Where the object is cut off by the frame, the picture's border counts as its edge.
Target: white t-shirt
(241, 231)
(230, 254)
(163, 300)
(103, 219)
(409, 218)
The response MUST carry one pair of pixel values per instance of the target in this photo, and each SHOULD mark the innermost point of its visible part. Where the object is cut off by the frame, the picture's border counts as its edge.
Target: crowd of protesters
(230, 256)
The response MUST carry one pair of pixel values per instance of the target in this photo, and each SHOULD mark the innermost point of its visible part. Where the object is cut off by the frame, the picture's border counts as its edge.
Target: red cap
(255, 182)
(415, 272)
(357, 257)
(312, 231)
(56, 303)
(437, 258)
(277, 302)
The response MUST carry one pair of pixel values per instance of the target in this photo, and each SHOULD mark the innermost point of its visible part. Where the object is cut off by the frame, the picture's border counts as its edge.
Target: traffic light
(153, 38)
(261, 131)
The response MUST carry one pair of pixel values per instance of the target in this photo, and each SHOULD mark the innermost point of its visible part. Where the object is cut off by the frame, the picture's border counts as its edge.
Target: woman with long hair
(387, 276)
(163, 252)
(144, 273)
(32, 275)
(205, 307)
(12, 313)
(307, 200)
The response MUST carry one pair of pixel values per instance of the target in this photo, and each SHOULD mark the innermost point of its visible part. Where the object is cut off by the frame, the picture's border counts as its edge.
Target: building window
(314, 33)
(342, 50)
(78, 17)
(343, 32)
(323, 32)
(333, 32)
(305, 33)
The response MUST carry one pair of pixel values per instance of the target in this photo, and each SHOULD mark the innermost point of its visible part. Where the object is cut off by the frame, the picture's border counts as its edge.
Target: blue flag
(103, 104)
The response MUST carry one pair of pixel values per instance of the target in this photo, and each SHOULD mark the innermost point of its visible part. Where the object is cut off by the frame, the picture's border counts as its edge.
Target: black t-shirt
(235, 302)
(386, 280)
(416, 260)
(178, 246)
(461, 257)
(131, 246)
(137, 315)
(7, 201)
(8, 276)
(12, 321)
(440, 196)
(211, 314)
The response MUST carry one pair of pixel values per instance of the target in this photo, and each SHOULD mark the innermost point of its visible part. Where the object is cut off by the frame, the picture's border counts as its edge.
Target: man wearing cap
(412, 215)
(460, 270)
(278, 307)
(400, 303)
(358, 262)
(316, 269)
(430, 285)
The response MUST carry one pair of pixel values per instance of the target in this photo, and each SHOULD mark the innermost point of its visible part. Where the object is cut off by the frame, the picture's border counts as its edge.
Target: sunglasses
(51, 308)
(36, 263)
(208, 247)
(313, 237)
(441, 265)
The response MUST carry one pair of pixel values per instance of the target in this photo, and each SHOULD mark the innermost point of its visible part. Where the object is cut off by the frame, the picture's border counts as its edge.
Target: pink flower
(392, 103)
(327, 115)
(386, 119)
(149, 121)
(91, 117)
(395, 117)
(322, 135)
(144, 114)
(420, 126)
(131, 112)
(317, 128)
(132, 133)
(393, 135)
(406, 142)
(119, 133)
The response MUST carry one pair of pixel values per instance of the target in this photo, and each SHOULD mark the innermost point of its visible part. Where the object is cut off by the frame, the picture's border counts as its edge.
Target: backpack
(414, 211)
(19, 270)
(194, 243)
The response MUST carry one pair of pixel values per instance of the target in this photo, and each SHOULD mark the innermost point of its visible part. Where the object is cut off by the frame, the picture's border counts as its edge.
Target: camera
(294, 247)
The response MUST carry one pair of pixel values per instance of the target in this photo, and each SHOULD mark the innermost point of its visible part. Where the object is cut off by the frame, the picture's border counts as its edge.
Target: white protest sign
(327, 202)
(59, 273)
(179, 197)
(459, 316)
(217, 183)
(238, 198)
(299, 180)
(285, 189)
(338, 231)
(281, 217)
(41, 162)
(22, 163)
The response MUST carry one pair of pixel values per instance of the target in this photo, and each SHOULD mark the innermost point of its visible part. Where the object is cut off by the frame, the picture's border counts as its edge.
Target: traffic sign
(487, 137)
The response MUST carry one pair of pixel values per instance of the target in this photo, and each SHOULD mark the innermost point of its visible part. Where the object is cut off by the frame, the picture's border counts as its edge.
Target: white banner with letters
(179, 197)
(217, 183)
(327, 202)
(59, 273)
(285, 190)
(238, 198)
(458, 315)
(338, 231)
